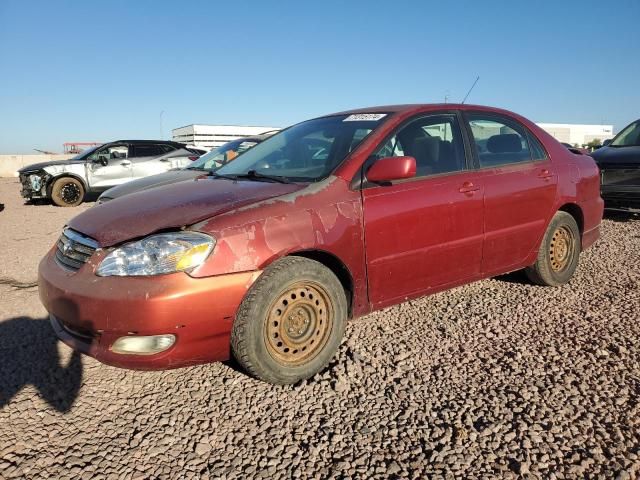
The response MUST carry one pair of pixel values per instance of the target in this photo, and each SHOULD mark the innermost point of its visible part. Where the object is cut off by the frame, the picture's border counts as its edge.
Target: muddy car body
(328, 220)
(67, 182)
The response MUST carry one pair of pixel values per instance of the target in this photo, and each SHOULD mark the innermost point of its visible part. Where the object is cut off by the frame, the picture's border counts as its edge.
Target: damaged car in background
(207, 162)
(67, 183)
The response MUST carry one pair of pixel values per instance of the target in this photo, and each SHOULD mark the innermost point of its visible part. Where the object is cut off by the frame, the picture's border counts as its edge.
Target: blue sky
(97, 71)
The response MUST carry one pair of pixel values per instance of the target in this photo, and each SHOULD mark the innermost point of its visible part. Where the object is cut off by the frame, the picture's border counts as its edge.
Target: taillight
(193, 157)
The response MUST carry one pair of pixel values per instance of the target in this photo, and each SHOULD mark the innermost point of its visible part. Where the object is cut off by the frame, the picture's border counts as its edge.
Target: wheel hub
(561, 248)
(70, 193)
(299, 323)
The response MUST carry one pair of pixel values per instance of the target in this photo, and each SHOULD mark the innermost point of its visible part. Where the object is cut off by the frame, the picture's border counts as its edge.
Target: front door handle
(468, 188)
(545, 174)
(125, 163)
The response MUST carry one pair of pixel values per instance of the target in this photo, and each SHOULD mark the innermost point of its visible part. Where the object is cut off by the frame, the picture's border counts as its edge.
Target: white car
(95, 170)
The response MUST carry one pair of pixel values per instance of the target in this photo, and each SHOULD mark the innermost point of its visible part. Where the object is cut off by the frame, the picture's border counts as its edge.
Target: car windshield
(85, 153)
(222, 155)
(306, 152)
(629, 137)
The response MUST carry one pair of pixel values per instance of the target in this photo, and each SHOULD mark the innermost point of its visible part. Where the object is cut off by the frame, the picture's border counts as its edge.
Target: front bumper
(89, 313)
(621, 198)
(27, 191)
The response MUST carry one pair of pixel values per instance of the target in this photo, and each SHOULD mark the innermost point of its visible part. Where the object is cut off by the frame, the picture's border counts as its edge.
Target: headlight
(36, 182)
(158, 254)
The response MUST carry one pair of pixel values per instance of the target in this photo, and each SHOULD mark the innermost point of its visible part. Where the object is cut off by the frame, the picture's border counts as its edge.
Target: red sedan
(267, 257)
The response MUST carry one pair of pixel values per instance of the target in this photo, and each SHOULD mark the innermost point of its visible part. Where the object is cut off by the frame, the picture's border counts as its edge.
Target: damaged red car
(267, 257)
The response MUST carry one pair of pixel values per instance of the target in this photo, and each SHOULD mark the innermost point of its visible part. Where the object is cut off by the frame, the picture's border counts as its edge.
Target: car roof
(163, 142)
(417, 107)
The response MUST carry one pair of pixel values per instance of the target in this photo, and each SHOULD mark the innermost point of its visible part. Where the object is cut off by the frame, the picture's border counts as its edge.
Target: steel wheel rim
(70, 193)
(299, 323)
(561, 248)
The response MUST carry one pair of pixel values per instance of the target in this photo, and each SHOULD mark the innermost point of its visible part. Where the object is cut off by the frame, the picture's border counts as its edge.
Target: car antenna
(474, 84)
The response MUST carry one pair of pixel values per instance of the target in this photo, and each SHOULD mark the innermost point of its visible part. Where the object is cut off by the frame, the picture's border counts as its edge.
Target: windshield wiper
(217, 175)
(250, 175)
(253, 175)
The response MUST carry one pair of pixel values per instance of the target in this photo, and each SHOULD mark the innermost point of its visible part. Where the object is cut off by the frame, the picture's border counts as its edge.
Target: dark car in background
(67, 182)
(619, 163)
(210, 161)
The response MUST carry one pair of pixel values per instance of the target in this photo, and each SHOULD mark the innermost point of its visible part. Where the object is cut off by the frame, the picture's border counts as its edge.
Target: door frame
(359, 182)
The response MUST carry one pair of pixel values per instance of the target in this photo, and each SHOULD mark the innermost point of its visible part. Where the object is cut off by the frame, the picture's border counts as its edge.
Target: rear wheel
(291, 322)
(67, 192)
(559, 253)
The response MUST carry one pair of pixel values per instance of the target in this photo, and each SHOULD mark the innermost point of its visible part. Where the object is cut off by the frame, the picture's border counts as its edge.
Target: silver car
(68, 182)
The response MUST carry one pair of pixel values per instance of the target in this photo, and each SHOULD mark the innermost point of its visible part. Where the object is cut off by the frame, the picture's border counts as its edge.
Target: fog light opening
(143, 345)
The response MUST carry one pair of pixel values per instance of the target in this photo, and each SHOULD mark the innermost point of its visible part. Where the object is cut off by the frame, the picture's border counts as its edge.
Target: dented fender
(252, 237)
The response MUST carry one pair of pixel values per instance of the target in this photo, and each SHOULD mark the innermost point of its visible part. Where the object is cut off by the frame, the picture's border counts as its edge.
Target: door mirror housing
(102, 160)
(606, 142)
(392, 168)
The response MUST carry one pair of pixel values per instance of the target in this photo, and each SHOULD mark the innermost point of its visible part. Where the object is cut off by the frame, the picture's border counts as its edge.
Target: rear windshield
(308, 151)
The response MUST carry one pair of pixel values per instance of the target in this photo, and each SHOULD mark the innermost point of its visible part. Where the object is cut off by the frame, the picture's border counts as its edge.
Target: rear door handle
(545, 173)
(469, 188)
(125, 163)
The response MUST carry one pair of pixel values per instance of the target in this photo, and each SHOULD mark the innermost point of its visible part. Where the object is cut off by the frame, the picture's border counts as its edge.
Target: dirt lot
(497, 379)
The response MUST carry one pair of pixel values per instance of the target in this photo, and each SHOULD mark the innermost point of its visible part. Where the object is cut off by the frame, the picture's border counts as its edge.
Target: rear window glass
(498, 141)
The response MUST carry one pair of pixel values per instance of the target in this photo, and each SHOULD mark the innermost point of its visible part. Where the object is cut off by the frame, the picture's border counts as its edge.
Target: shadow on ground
(514, 277)
(29, 356)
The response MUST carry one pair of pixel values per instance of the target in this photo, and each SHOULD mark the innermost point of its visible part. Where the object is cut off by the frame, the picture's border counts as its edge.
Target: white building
(211, 136)
(577, 134)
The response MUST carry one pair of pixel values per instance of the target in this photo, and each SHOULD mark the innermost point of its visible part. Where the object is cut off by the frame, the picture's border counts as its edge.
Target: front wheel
(67, 192)
(291, 321)
(559, 253)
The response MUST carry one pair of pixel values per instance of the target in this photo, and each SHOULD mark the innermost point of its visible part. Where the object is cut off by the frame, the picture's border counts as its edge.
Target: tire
(291, 322)
(67, 192)
(559, 252)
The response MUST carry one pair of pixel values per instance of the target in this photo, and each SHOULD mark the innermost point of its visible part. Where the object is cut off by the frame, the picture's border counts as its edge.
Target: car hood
(611, 155)
(171, 206)
(41, 165)
(166, 178)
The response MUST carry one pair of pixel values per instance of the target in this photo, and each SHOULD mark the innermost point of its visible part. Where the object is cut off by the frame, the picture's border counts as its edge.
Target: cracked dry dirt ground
(498, 379)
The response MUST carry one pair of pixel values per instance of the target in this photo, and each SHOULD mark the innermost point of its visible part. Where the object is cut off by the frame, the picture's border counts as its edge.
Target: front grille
(622, 177)
(74, 249)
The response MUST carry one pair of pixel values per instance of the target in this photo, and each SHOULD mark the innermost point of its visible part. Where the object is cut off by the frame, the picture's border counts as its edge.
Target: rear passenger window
(167, 148)
(537, 152)
(147, 150)
(499, 142)
(434, 141)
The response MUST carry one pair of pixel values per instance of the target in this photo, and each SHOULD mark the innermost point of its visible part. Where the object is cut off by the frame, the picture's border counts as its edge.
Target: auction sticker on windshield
(358, 117)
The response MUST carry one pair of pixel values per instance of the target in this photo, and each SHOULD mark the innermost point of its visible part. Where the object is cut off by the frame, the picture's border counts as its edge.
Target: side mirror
(104, 161)
(606, 142)
(392, 168)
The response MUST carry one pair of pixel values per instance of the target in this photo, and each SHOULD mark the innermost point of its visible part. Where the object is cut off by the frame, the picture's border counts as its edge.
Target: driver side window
(434, 141)
(110, 153)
